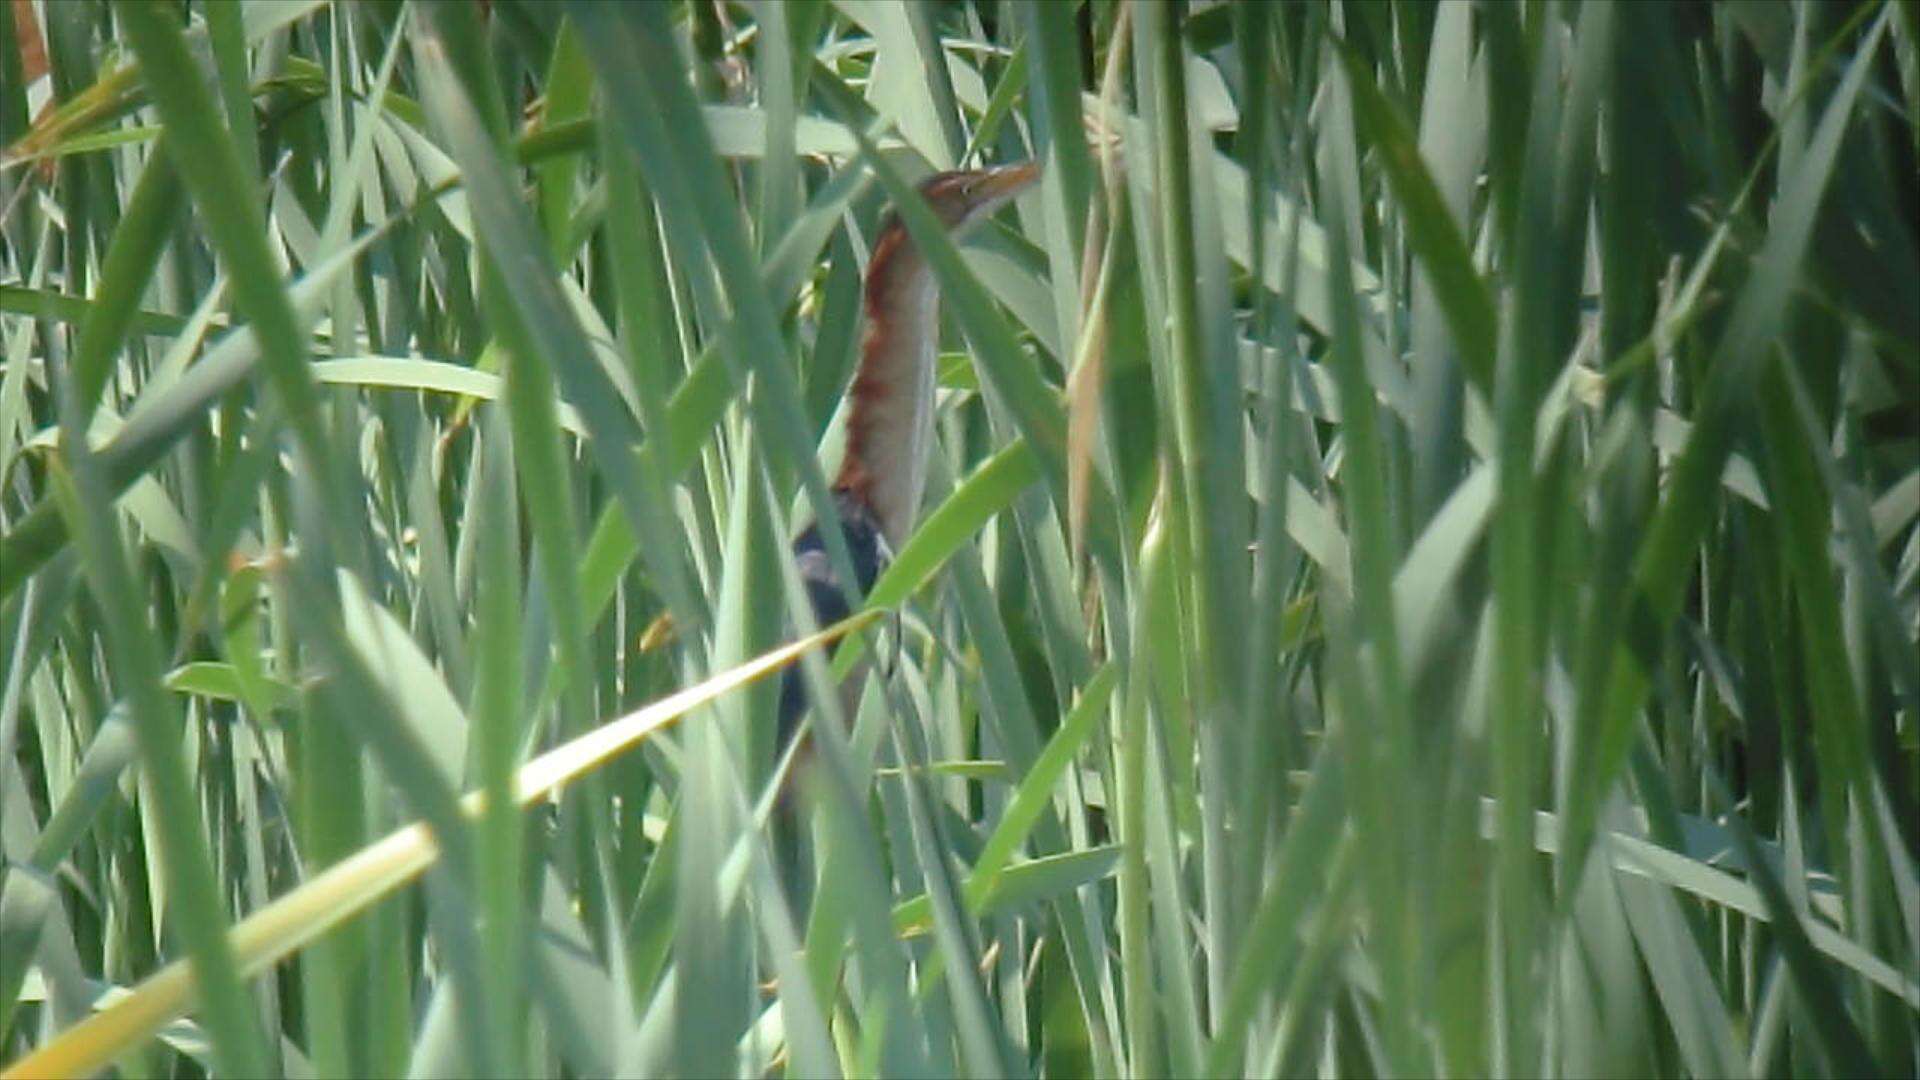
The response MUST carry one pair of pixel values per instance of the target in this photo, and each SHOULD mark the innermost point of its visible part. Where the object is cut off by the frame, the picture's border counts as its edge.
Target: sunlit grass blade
(349, 886)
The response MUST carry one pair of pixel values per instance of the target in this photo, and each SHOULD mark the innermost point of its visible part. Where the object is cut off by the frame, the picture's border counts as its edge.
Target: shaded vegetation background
(1421, 573)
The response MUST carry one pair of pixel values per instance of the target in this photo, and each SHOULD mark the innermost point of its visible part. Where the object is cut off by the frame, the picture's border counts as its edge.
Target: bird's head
(968, 196)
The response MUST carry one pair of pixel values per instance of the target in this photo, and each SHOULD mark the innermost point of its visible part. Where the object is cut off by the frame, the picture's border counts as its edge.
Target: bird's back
(868, 550)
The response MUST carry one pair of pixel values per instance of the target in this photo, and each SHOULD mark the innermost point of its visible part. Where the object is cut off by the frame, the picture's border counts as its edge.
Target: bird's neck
(890, 426)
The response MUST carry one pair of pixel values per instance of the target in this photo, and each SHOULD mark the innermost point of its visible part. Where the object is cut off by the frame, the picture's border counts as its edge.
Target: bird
(883, 471)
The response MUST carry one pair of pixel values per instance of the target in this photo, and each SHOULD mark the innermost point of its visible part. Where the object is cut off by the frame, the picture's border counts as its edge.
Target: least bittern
(890, 426)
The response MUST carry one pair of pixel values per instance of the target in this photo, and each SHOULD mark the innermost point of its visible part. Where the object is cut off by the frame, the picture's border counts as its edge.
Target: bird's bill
(997, 185)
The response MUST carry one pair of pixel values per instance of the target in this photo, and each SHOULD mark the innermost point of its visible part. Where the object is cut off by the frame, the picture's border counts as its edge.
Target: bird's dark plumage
(868, 550)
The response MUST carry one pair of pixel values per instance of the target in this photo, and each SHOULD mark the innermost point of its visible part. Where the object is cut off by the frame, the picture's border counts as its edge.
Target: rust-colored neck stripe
(894, 261)
(890, 418)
